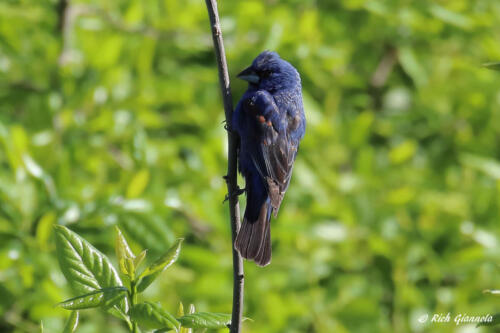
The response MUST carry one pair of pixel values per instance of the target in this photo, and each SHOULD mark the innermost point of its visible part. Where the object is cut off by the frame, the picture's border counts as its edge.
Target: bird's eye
(265, 73)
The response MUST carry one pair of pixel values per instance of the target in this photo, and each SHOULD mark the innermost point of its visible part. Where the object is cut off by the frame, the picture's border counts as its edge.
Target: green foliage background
(394, 206)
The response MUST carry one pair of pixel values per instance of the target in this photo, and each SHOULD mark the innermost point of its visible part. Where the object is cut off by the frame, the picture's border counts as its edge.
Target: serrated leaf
(181, 313)
(493, 66)
(152, 316)
(205, 320)
(161, 264)
(124, 254)
(72, 322)
(105, 297)
(85, 267)
(495, 320)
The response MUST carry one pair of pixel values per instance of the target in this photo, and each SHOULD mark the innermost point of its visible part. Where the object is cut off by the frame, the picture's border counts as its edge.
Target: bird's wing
(275, 151)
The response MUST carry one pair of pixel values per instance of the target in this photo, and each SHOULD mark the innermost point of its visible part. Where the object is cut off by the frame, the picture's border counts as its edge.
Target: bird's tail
(254, 237)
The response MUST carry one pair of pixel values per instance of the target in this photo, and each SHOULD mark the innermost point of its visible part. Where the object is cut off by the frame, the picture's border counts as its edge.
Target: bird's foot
(239, 191)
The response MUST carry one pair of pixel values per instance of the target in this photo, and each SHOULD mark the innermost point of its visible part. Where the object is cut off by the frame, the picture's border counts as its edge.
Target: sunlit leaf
(138, 184)
(85, 267)
(451, 17)
(403, 152)
(124, 254)
(105, 297)
(140, 258)
(489, 166)
(37, 172)
(162, 263)
(72, 322)
(180, 310)
(33, 168)
(205, 320)
(44, 229)
(152, 316)
(411, 65)
(181, 313)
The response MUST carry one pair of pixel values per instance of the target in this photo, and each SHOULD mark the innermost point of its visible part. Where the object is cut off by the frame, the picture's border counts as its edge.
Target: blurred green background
(112, 116)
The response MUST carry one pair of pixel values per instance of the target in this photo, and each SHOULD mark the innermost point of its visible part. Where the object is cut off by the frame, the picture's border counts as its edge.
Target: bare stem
(231, 177)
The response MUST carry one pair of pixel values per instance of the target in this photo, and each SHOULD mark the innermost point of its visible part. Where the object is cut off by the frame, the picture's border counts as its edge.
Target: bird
(270, 121)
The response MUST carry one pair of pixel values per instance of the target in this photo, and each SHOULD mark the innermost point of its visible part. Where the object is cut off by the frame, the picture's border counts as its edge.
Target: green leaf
(411, 65)
(162, 263)
(85, 267)
(125, 255)
(105, 297)
(138, 184)
(492, 321)
(493, 66)
(152, 316)
(44, 229)
(205, 320)
(72, 322)
(140, 257)
(180, 310)
(489, 166)
(146, 281)
(181, 313)
(151, 232)
(451, 17)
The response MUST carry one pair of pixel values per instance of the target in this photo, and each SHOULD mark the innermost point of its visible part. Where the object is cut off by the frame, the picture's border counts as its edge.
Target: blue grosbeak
(270, 121)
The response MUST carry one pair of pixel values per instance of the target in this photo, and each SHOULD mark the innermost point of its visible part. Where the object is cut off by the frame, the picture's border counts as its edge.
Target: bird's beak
(249, 75)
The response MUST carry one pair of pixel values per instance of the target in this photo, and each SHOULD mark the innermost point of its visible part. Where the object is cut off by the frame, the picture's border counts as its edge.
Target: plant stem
(133, 300)
(231, 177)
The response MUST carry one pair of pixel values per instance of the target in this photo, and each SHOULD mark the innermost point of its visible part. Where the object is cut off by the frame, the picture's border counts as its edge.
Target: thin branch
(231, 177)
(384, 68)
(61, 14)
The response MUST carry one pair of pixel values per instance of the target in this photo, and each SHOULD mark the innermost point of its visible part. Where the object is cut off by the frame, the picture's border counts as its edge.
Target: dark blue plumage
(270, 121)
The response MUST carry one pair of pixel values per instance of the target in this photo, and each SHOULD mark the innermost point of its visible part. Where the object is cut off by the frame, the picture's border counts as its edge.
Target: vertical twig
(62, 6)
(231, 177)
(64, 25)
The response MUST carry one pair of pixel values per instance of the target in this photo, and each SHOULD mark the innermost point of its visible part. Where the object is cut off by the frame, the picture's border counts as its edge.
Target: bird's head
(269, 72)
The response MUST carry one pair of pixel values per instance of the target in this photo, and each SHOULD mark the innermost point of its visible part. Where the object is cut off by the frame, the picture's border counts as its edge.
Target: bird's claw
(239, 191)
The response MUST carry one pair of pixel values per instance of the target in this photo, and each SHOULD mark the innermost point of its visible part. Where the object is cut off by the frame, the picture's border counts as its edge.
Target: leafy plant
(99, 285)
